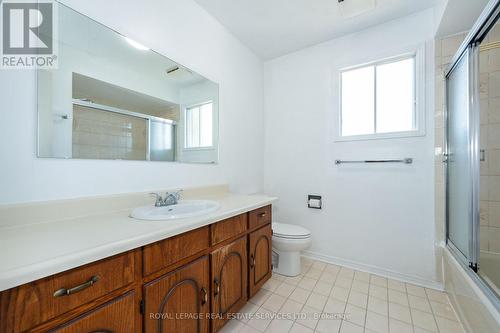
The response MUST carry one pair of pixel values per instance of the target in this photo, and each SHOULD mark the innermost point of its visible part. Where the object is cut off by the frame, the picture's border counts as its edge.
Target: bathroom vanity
(190, 281)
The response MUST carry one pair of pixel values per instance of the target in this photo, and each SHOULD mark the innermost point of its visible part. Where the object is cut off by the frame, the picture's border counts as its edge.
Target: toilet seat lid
(284, 230)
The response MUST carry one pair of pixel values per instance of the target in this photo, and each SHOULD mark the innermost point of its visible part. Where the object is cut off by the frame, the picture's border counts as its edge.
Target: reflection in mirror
(113, 98)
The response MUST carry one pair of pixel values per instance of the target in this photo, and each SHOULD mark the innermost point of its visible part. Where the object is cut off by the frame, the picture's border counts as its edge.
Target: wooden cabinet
(187, 283)
(116, 316)
(179, 301)
(260, 258)
(33, 303)
(259, 217)
(229, 280)
(171, 250)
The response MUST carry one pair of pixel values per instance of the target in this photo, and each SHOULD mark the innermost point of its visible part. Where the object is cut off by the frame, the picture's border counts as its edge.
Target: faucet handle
(175, 194)
(159, 199)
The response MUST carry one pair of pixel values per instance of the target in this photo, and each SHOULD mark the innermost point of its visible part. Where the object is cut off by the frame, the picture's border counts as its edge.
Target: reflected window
(379, 98)
(199, 121)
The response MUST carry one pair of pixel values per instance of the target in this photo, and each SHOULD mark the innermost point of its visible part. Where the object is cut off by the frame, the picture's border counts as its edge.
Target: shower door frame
(470, 48)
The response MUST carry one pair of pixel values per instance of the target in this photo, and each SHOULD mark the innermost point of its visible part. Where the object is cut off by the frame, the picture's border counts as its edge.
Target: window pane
(193, 127)
(358, 101)
(395, 96)
(206, 125)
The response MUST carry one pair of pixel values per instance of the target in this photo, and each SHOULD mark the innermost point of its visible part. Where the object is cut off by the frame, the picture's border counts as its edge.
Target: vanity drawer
(171, 250)
(31, 304)
(259, 217)
(228, 228)
(115, 316)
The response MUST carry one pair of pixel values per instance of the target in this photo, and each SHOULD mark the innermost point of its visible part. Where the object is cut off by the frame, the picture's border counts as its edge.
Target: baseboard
(374, 270)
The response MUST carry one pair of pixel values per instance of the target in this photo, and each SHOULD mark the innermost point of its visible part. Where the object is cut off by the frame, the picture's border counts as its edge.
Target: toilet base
(288, 263)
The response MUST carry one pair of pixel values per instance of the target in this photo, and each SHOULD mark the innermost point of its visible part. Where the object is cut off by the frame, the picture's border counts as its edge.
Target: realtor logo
(28, 31)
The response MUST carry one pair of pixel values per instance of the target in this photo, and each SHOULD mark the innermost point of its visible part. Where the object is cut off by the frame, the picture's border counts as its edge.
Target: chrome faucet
(169, 200)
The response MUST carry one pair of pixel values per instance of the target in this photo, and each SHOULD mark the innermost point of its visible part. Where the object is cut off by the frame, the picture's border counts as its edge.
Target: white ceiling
(272, 28)
(468, 11)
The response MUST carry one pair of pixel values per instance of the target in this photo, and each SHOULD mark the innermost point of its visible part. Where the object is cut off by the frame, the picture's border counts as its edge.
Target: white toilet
(288, 241)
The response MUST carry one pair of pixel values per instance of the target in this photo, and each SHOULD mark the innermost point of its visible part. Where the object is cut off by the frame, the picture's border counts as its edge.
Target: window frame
(419, 97)
(192, 106)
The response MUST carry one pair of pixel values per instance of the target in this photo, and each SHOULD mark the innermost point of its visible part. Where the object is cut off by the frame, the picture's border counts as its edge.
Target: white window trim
(191, 106)
(419, 54)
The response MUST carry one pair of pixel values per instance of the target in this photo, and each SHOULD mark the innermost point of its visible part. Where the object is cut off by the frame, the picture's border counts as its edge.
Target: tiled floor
(332, 299)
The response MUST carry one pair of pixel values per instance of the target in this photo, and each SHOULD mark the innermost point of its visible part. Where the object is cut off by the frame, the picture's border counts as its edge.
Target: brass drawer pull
(252, 261)
(204, 298)
(67, 292)
(217, 287)
(262, 214)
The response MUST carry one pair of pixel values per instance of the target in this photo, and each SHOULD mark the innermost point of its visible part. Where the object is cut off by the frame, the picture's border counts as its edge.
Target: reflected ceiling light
(138, 46)
(351, 8)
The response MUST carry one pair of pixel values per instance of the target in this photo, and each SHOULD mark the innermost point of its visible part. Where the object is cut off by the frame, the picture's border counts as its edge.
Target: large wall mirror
(113, 98)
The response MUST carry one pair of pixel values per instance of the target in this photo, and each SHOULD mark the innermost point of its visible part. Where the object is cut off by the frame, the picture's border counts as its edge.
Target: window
(199, 120)
(379, 99)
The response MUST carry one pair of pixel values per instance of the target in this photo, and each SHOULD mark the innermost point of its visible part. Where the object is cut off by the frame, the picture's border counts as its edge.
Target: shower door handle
(482, 155)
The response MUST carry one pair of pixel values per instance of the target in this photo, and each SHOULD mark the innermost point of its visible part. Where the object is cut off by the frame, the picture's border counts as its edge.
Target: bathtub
(489, 269)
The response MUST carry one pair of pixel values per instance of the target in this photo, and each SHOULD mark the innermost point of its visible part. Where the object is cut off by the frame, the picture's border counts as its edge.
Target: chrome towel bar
(406, 160)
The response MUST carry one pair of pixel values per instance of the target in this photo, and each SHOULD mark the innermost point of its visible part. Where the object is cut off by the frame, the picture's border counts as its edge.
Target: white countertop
(33, 251)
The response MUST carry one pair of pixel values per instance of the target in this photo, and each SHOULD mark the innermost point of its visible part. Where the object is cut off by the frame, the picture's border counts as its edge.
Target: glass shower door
(459, 156)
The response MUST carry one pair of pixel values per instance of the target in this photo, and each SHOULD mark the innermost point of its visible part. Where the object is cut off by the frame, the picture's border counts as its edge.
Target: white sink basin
(184, 209)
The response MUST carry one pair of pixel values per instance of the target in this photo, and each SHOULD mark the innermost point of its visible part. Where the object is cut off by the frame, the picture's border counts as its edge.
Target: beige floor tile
(334, 306)
(340, 293)
(419, 303)
(348, 327)
(293, 280)
(378, 305)
(362, 276)
(247, 329)
(328, 277)
(415, 290)
(343, 282)
(316, 301)
(378, 292)
(355, 314)
(420, 330)
(307, 283)
(448, 326)
(360, 286)
(346, 273)
(272, 284)
(279, 326)
(260, 297)
(274, 303)
(332, 269)
(437, 296)
(323, 288)
(311, 318)
(300, 295)
(423, 320)
(313, 273)
(358, 299)
(319, 265)
(396, 285)
(232, 326)
(376, 322)
(262, 318)
(398, 297)
(396, 326)
(290, 309)
(400, 312)
(443, 310)
(328, 326)
(247, 311)
(378, 281)
(297, 328)
(285, 289)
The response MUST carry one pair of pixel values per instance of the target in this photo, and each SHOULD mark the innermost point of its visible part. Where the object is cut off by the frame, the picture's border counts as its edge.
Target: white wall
(184, 32)
(375, 217)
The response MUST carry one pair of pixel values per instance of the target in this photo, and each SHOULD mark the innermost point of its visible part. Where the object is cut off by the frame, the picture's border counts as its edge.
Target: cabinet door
(260, 253)
(229, 281)
(116, 316)
(178, 301)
